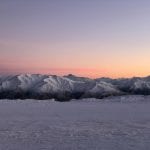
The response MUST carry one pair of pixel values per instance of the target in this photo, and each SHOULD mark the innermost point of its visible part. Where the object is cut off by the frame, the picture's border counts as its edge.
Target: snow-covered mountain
(70, 86)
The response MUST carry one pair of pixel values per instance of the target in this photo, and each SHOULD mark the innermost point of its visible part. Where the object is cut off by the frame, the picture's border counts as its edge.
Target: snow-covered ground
(121, 123)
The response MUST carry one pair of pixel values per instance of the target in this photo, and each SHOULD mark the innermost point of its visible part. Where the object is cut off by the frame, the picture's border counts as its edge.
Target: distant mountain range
(36, 86)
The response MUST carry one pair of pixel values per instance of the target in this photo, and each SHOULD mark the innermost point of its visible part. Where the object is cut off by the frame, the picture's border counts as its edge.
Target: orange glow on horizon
(84, 72)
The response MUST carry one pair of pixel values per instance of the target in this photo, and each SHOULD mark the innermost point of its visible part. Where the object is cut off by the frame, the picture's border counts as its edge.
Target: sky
(92, 38)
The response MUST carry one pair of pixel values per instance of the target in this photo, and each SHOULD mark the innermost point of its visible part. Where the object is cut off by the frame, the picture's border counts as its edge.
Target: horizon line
(70, 74)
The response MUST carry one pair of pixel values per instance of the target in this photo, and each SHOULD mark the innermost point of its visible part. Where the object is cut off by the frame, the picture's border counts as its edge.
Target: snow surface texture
(35, 86)
(87, 124)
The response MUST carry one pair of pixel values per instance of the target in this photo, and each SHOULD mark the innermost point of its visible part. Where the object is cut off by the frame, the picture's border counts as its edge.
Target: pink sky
(86, 38)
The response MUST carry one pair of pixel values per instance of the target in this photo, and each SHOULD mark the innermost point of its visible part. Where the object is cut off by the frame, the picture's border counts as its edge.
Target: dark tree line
(66, 96)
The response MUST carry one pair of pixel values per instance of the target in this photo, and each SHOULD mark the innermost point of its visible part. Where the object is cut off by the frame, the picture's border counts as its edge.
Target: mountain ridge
(37, 86)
